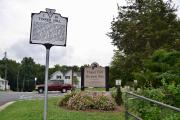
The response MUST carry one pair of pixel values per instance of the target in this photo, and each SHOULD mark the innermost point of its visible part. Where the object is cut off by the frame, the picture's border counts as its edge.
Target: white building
(67, 77)
(3, 83)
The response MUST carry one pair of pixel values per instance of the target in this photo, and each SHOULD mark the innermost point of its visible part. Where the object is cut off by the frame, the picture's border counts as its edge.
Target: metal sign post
(46, 81)
(49, 29)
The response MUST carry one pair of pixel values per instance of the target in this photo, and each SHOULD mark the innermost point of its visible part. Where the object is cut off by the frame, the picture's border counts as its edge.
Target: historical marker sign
(48, 28)
(94, 76)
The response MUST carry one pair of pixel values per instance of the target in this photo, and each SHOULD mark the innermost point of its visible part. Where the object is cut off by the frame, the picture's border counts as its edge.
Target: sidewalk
(6, 105)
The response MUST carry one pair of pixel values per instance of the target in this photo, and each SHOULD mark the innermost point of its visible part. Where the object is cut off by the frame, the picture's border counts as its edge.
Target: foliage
(118, 97)
(172, 93)
(144, 23)
(150, 111)
(27, 74)
(75, 81)
(163, 66)
(122, 67)
(12, 67)
(65, 99)
(142, 27)
(63, 68)
(84, 101)
(103, 103)
(21, 76)
(80, 101)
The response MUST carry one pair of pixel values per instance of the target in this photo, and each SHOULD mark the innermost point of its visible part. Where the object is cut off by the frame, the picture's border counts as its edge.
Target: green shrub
(150, 111)
(103, 103)
(80, 101)
(63, 102)
(118, 97)
(84, 101)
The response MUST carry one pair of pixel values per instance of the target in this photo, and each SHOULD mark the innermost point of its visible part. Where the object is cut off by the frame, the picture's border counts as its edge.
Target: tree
(140, 28)
(27, 74)
(39, 73)
(12, 67)
(161, 68)
(123, 66)
(143, 22)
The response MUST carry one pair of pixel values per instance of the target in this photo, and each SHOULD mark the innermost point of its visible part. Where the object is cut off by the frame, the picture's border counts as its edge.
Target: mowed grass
(33, 110)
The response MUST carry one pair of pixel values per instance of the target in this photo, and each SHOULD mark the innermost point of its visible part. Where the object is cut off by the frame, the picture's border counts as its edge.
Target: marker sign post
(49, 29)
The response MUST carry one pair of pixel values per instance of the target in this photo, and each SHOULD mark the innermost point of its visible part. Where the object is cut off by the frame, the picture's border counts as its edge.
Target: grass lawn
(33, 110)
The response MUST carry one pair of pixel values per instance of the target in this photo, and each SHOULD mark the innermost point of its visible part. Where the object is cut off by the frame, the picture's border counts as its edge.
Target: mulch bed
(117, 109)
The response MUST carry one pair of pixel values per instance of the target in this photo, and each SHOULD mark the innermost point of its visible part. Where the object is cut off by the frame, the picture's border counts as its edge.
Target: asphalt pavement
(6, 97)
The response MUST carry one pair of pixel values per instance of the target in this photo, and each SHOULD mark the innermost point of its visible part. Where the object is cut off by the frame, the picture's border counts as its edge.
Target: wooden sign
(94, 76)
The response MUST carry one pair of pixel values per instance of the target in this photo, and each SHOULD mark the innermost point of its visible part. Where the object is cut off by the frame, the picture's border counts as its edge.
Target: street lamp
(35, 81)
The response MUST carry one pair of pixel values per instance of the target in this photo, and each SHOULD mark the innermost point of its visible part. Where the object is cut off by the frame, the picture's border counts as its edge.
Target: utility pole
(5, 60)
(72, 78)
(17, 81)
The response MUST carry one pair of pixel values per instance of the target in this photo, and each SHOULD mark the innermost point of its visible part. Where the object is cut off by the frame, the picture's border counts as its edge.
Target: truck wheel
(40, 90)
(64, 90)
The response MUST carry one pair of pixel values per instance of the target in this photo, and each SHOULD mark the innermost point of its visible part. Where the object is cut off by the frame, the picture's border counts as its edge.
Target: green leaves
(162, 65)
(152, 21)
(142, 27)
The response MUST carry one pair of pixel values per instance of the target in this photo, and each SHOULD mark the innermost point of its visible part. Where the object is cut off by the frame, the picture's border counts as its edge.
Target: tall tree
(39, 73)
(12, 67)
(27, 73)
(140, 28)
(143, 22)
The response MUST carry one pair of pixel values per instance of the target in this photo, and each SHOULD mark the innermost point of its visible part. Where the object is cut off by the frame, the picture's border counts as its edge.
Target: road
(14, 96)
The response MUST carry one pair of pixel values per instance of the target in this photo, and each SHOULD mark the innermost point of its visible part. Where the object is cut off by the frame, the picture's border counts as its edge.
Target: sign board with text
(48, 28)
(94, 76)
(118, 82)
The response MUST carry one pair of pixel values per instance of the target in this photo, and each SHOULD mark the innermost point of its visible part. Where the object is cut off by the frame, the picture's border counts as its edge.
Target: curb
(6, 105)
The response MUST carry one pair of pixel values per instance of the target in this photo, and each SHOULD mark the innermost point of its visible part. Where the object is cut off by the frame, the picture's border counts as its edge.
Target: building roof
(1, 79)
(64, 73)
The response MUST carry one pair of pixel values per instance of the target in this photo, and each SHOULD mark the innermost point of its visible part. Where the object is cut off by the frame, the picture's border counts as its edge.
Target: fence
(128, 114)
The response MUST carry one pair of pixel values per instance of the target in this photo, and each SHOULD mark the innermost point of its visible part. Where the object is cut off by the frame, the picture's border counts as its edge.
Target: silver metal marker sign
(49, 29)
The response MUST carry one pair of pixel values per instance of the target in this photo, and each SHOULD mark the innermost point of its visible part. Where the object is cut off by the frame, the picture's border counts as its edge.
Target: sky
(88, 23)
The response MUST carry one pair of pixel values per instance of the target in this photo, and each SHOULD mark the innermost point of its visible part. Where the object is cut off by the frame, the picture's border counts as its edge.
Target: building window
(58, 77)
(61, 81)
(67, 77)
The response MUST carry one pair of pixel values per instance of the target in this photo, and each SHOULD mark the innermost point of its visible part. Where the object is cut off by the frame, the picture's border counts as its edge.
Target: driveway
(14, 96)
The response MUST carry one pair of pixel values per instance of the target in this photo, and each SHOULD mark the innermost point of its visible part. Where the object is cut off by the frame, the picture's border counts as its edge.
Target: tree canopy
(145, 23)
(21, 76)
(142, 27)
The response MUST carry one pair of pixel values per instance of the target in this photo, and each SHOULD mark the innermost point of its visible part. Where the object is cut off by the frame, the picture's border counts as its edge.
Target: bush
(84, 101)
(103, 103)
(66, 98)
(80, 101)
(150, 111)
(118, 97)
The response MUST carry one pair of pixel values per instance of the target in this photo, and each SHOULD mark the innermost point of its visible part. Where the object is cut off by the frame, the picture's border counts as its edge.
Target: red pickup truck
(54, 86)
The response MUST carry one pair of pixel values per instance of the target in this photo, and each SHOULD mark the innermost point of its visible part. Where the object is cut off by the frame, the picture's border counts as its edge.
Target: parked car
(54, 86)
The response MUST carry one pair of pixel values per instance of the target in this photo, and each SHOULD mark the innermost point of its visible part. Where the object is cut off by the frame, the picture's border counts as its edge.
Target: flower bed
(88, 100)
